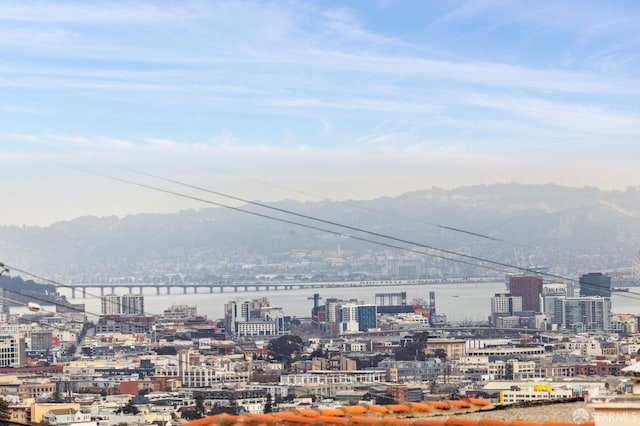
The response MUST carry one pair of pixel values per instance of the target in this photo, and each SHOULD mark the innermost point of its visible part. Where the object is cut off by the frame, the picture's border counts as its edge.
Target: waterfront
(465, 302)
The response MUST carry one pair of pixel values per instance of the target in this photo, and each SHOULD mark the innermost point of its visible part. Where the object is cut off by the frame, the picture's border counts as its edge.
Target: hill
(574, 229)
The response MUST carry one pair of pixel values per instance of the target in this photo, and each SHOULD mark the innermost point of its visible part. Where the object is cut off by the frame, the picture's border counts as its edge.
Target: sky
(309, 99)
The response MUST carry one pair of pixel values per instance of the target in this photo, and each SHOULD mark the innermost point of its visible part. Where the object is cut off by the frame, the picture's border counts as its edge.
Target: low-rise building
(533, 393)
(454, 349)
(412, 371)
(67, 417)
(326, 377)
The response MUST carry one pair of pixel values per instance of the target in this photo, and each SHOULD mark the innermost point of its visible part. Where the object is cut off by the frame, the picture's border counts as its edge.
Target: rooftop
(434, 413)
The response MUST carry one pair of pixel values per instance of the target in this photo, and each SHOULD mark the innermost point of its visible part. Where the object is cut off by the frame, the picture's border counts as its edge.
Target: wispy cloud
(453, 92)
(584, 119)
(468, 9)
(65, 142)
(279, 42)
(84, 13)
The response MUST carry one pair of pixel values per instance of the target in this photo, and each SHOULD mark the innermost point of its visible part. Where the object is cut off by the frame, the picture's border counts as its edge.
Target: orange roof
(359, 420)
(493, 422)
(334, 412)
(441, 405)
(461, 422)
(409, 414)
(332, 420)
(398, 408)
(459, 404)
(429, 422)
(354, 409)
(377, 408)
(420, 406)
(395, 421)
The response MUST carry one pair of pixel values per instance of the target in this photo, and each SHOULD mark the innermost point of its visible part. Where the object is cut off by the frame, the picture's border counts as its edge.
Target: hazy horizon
(273, 101)
(303, 198)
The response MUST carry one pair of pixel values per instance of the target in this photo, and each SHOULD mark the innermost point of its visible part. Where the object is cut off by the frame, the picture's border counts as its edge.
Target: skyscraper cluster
(529, 304)
(349, 316)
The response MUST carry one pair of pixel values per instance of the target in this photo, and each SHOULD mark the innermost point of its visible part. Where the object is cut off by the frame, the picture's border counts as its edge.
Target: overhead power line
(496, 265)
(437, 225)
(445, 254)
(372, 233)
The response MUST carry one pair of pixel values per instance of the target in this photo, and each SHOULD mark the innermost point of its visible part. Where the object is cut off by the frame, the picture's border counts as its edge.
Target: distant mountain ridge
(550, 224)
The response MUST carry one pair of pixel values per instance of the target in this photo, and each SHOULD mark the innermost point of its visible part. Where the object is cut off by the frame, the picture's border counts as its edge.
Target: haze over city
(283, 100)
(302, 212)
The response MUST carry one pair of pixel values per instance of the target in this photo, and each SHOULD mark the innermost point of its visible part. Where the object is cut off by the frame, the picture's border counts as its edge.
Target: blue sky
(338, 99)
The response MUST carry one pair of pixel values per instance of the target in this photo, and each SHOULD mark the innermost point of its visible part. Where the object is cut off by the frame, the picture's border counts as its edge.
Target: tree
(4, 409)
(130, 408)
(440, 353)
(217, 409)
(362, 363)
(167, 350)
(190, 415)
(286, 348)
(70, 351)
(268, 405)
(199, 408)
(318, 353)
(413, 350)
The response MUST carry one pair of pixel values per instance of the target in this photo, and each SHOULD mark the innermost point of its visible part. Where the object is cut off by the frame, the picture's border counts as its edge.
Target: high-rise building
(367, 317)
(255, 318)
(110, 304)
(595, 284)
(349, 316)
(333, 315)
(587, 314)
(354, 317)
(553, 307)
(132, 304)
(12, 351)
(128, 304)
(529, 288)
(504, 305)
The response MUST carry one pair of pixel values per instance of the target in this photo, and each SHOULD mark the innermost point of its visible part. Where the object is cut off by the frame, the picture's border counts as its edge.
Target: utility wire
(350, 204)
(337, 233)
(312, 227)
(62, 328)
(40, 310)
(333, 223)
(317, 228)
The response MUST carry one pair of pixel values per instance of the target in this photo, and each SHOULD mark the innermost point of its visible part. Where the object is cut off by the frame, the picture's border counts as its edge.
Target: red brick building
(529, 288)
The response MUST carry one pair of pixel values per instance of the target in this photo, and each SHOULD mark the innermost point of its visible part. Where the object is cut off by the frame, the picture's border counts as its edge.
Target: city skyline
(303, 100)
